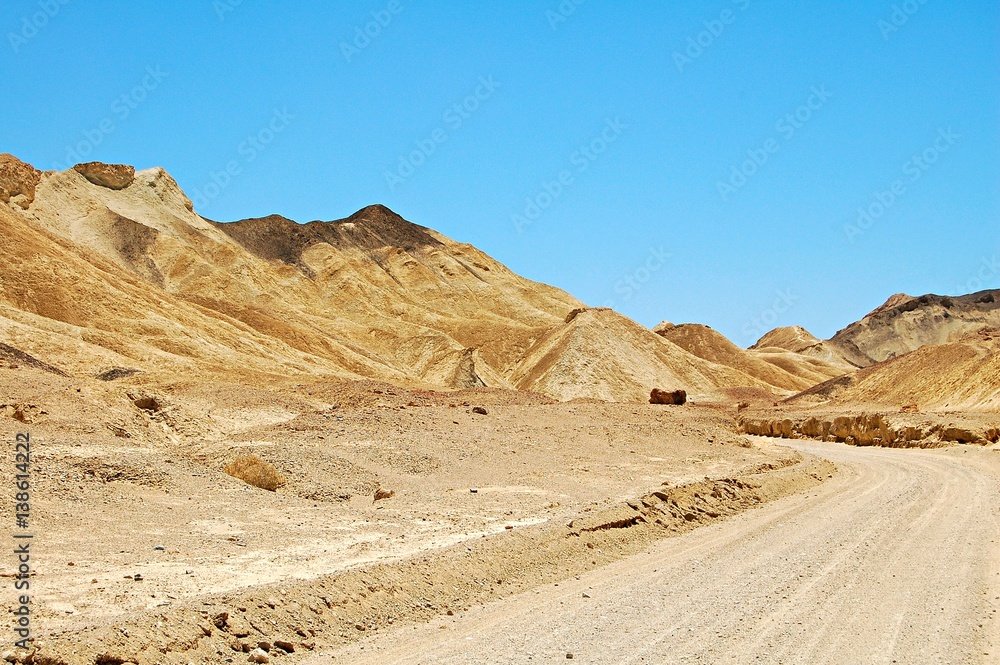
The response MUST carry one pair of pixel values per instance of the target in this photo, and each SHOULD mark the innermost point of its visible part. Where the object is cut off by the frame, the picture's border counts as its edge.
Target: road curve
(895, 560)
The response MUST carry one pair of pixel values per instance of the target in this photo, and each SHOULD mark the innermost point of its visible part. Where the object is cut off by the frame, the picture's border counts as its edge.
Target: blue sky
(694, 161)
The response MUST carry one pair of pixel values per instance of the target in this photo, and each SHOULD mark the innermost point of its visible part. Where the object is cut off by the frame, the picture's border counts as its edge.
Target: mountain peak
(278, 238)
(893, 302)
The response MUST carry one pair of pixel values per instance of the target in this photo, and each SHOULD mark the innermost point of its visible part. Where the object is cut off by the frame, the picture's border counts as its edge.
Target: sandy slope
(959, 375)
(783, 369)
(895, 560)
(800, 342)
(602, 354)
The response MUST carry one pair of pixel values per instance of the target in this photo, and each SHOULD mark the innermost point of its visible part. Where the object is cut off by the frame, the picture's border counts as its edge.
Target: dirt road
(894, 561)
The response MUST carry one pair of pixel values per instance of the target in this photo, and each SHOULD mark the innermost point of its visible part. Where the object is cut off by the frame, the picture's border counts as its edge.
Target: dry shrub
(255, 471)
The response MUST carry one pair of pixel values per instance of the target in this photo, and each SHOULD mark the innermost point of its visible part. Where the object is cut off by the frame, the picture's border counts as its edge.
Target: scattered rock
(148, 403)
(264, 646)
(238, 627)
(259, 656)
(287, 647)
(116, 373)
(474, 490)
(381, 494)
(111, 659)
(112, 176)
(670, 397)
(480, 410)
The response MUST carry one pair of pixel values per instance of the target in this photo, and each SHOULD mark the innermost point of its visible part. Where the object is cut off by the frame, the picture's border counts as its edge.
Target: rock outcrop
(112, 176)
(871, 429)
(18, 181)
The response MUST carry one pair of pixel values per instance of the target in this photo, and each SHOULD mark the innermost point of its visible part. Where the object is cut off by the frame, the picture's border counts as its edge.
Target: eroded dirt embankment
(872, 429)
(340, 608)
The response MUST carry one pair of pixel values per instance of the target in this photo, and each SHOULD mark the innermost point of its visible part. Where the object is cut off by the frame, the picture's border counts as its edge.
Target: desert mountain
(905, 324)
(783, 367)
(960, 375)
(112, 269)
(127, 266)
(800, 342)
(600, 353)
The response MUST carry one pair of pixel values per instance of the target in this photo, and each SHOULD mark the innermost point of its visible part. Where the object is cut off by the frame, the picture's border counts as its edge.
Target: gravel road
(895, 560)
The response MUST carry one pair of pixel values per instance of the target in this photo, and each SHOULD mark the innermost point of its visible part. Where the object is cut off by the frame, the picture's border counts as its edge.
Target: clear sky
(690, 161)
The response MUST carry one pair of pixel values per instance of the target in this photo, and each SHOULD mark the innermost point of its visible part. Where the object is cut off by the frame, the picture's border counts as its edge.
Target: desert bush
(255, 471)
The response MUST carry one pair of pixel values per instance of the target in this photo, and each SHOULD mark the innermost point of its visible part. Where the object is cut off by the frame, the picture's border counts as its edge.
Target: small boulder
(238, 626)
(480, 410)
(259, 656)
(381, 494)
(671, 397)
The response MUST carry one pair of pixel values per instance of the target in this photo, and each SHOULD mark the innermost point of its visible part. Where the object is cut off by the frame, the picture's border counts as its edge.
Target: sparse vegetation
(255, 471)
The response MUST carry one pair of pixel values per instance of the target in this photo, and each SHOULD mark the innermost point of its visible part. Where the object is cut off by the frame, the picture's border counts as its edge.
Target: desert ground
(848, 572)
(535, 530)
(135, 532)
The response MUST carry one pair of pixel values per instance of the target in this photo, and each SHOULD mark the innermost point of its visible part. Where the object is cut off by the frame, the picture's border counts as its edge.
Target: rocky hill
(962, 375)
(785, 368)
(601, 354)
(110, 270)
(905, 324)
